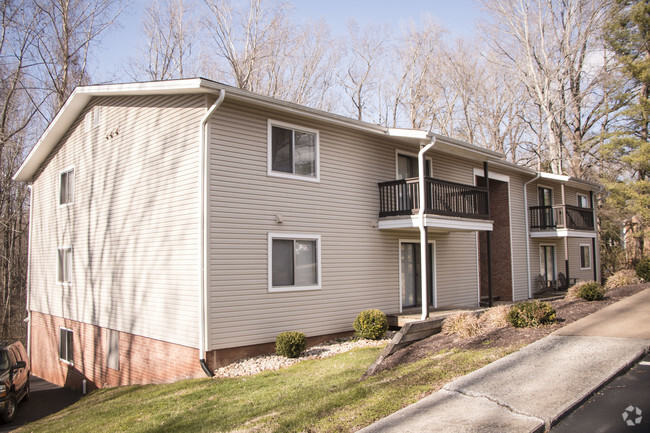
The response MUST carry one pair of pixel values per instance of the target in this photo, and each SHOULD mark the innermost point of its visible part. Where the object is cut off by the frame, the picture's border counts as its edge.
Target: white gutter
(527, 225)
(29, 255)
(203, 231)
(423, 236)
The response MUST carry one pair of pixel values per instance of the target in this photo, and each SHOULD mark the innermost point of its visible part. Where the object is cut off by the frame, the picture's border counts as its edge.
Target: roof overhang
(571, 181)
(76, 103)
(81, 96)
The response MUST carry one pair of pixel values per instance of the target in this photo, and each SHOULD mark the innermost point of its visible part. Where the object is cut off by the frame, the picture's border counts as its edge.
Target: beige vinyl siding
(456, 269)
(360, 264)
(134, 222)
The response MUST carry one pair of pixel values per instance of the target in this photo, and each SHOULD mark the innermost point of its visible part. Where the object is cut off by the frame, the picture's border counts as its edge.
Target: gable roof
(81, 96)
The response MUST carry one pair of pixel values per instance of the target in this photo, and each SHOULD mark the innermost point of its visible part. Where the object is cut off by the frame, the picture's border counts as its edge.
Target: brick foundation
(501, 254)
(142, 360)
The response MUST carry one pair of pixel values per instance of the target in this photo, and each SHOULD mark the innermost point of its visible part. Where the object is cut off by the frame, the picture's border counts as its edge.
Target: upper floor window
(66, 187)
(407, 166)
(93, 118)
(293, 151)
(583, 201)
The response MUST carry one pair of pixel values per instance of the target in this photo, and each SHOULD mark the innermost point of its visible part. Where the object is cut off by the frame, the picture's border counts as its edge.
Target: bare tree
(365, 50)
(17, 109)
(244, 39)
(69, 28)
(551, 45)
(168, 52)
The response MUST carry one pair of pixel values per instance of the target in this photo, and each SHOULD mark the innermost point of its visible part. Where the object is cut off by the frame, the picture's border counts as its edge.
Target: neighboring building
(185, 220)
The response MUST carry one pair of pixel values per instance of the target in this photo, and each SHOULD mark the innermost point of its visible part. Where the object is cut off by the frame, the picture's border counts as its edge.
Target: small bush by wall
(290, 344)
(371, 324)
(531, 313)
(587, 290)
(643, 269)
(626, 277)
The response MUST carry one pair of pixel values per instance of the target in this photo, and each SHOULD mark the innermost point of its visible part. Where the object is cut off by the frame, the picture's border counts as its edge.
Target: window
(64, 265)
(93, 118)
(113, 349)
(293, 152)
(66, 187)
(65, 345)
(583, 201)
(585, 256)
(294, 262)
(407, 166)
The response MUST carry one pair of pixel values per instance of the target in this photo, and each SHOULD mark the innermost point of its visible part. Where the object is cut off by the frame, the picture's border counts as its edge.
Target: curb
(552, 422)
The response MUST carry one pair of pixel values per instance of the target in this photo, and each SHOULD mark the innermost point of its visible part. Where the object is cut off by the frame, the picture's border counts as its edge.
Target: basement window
(65, 345)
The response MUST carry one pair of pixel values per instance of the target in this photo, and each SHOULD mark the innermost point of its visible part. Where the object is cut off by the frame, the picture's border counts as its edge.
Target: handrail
(401, 197)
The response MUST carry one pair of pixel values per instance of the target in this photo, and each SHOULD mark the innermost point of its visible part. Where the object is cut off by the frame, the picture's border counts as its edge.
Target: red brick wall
(142, 360)
(501, 254)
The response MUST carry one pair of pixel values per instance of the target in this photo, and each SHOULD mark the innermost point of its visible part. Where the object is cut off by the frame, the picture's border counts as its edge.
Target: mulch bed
(567, 311)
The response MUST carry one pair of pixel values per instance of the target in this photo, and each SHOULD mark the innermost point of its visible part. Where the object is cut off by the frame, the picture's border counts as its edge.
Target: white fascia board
(496, 176)
(571, 180)
(562, 233)
(417, 134)
(437, 222)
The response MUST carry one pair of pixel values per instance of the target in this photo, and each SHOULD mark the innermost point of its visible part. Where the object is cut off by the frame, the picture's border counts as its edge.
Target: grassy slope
(322, 395)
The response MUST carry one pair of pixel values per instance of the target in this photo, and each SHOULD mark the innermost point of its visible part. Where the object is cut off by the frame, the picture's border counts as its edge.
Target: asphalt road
(623, 405)
(45, 399)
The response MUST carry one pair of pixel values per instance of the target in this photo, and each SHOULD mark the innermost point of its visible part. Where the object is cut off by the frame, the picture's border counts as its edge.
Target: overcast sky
(458, 16)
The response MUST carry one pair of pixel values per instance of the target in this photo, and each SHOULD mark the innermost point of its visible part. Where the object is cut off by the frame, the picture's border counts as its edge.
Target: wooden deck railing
(561, 217)
(402, 197)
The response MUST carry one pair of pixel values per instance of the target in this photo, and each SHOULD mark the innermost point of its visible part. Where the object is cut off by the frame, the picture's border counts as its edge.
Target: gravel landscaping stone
(260, 363)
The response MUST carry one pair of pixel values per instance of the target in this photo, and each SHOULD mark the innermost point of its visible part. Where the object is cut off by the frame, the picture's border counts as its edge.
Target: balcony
(446, 199)
(561, 217)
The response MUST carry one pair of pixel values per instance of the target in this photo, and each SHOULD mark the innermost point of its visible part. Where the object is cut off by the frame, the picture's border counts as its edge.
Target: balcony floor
(442, 223)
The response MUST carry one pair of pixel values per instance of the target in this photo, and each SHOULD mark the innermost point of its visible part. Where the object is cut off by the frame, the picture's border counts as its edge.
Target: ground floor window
(294, 262)
(411, 276)
(585, 256)
(64, 265)
(65, 345)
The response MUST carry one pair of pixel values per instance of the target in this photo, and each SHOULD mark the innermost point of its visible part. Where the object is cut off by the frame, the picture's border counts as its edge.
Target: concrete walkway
(528, 391)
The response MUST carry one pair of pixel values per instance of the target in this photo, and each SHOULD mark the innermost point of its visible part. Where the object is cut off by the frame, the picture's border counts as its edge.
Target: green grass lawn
(316, 396)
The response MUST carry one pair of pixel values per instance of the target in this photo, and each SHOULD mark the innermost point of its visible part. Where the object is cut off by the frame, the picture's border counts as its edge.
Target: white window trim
(61, 359)
(58, 197)
(414, 155)
(293, 236)
(269, 151)
(64, 283)
(589, 256)
(578, 195)
(434, 265)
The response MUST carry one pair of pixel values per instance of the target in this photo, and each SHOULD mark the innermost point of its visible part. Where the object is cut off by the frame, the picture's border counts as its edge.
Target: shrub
(371, 324)
(587, 290)
(495, 317)
(622, 278)
(290, 344)
(463, 324)
(643, 269)
(531, 313)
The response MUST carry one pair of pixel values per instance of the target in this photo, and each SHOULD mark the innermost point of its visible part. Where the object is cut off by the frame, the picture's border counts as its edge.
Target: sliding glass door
(411, 277)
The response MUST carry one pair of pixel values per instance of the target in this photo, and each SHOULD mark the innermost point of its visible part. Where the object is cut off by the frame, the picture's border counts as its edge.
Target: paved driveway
(45, 399)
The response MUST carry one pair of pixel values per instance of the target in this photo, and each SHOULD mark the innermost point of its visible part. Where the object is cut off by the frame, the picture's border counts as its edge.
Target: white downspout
(203, 231)
(423, 236)
(28, 285)
(527, 225)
